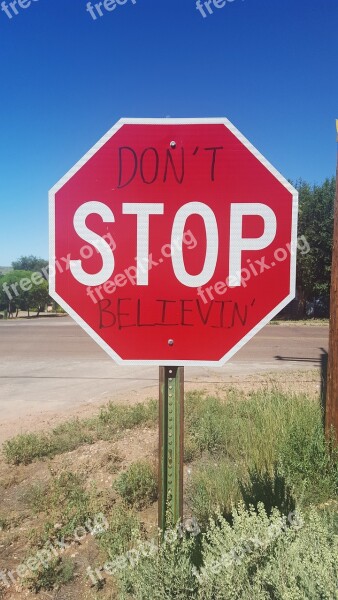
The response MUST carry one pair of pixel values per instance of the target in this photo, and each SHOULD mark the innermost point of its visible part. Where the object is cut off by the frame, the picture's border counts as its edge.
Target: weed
(137, 486)
(252, 556)
(127, 417)
(243, 427)
(124, 529)
(111, 461)
(213, 486)
(25, 448)
(64, 501)
(266, 446)
(306, 460)
(54, 574)
(165, 574)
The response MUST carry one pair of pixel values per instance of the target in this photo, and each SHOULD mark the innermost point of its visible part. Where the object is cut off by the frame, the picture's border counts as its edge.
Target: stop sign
(173, 241)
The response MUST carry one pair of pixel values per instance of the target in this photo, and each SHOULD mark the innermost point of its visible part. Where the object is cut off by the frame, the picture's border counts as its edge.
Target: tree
(39, 296)
(12, 296)
(315, 222)
(18, 290)
(29, 263)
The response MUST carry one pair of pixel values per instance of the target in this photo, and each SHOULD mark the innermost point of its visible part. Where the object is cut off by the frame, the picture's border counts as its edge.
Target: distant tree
(19, 292)
(39, 297)
(29, 263)
(315, 222)
(12, 296)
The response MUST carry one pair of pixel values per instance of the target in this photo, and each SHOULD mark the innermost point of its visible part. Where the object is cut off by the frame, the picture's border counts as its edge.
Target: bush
(127, 417)
(124, 529)
(265, 557)
(161, 575)
(57, 572)
(137, 486)
(25, 448)
(247, 428)
(257, 556)
(68, 436)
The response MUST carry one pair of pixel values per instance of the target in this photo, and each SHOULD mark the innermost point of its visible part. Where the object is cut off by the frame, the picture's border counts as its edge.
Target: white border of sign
(86, 157)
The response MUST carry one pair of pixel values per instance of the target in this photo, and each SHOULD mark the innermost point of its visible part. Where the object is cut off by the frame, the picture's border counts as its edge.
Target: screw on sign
(172, 243)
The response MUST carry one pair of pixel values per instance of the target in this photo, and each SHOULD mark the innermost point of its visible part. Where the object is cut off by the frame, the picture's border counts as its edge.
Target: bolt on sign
(173, 241)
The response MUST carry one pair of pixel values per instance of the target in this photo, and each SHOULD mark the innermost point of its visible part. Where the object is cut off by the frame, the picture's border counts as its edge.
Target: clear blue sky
(270, 66)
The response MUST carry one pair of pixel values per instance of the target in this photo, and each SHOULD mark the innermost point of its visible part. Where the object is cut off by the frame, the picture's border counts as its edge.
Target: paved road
(50, 365)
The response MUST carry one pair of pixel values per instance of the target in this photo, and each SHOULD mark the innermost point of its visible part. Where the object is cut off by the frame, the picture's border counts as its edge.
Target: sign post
(171, 448)
(172, 243)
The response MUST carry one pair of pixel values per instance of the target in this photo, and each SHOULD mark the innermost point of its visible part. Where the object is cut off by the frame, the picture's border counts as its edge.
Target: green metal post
(170, 509)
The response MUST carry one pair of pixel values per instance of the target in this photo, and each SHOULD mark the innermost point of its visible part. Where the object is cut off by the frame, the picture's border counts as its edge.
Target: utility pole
(331, 409)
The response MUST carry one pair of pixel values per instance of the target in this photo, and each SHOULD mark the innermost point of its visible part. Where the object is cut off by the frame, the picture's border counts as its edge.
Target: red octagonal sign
(173, 241)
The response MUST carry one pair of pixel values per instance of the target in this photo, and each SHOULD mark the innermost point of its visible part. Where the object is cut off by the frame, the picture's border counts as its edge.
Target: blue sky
(270, 66)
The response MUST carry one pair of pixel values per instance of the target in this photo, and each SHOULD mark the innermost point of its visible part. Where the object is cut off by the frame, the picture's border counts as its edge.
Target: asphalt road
(51, 365)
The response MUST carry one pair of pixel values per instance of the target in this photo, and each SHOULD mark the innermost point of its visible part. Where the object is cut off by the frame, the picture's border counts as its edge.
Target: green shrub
(127, 417)
(161, 575)
(242, 427)
(257, 556)
(24, 448)
(269, 488)
(124, 529)
(207, 425)
(137, 486)
(34, 497)
(265, 557)
(70, 435)
(54, 574)
(191, 449)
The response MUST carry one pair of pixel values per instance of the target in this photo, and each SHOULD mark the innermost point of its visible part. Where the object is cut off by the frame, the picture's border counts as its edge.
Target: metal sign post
(170, 506)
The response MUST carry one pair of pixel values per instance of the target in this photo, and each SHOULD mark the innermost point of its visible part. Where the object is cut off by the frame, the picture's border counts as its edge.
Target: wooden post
(331, 408)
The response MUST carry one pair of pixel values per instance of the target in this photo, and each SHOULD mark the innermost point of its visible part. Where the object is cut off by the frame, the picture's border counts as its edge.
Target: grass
(266, 446)
(137, 486)
(309, 322)
(113, 419)
(213, 486)
(245, 427)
